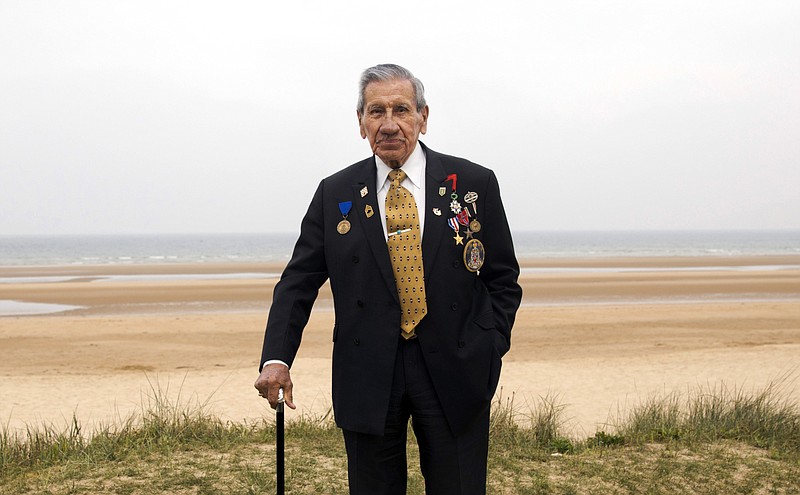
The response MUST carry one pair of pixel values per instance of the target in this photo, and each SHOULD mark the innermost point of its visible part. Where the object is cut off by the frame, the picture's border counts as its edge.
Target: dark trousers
(376, 464)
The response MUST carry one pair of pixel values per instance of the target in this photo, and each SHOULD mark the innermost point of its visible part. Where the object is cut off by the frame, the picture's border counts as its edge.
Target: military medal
(463, 217)
(453, 223)
(455, 206)
(344, 226)
(471, 198)
(474, 255)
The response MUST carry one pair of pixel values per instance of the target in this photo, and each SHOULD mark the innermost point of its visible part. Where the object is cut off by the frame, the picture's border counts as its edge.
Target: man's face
(391, 121)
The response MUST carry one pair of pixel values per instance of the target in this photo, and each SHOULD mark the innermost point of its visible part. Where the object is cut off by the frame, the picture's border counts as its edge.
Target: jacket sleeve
(500, 271)
(295, 293)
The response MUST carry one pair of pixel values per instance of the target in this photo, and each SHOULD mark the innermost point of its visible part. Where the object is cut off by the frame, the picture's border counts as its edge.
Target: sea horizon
(134, 249)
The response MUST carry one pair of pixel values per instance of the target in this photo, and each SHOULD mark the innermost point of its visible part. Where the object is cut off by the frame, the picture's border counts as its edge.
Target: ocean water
(144, 249)
(709, 243)
(221, 248)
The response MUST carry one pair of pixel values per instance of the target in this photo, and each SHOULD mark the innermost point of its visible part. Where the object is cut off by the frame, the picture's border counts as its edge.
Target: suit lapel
(435, 225)
(372, 227)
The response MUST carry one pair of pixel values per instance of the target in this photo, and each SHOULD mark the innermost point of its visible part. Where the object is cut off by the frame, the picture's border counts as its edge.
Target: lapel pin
(368, 210)
(442, 191)
(437, 212)
(364, 191)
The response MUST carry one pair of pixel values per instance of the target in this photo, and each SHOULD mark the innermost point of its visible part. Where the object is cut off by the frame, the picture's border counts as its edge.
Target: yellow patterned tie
(402, 224)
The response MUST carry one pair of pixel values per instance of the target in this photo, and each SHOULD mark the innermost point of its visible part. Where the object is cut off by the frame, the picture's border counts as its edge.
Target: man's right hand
(272, 378)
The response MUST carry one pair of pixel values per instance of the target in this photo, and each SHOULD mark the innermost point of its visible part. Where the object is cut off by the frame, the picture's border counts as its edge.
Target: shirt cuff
(274, 361)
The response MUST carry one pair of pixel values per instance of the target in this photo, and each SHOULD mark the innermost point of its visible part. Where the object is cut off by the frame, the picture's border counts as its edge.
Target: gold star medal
(453, 223)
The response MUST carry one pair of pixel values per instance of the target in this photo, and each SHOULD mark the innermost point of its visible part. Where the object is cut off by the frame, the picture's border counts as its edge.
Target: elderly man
(424, 278)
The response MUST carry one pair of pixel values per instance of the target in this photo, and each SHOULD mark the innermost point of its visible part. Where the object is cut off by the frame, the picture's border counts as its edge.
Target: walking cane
(279, 441)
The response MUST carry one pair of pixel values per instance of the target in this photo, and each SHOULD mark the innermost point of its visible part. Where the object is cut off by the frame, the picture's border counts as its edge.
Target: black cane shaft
(279, 466)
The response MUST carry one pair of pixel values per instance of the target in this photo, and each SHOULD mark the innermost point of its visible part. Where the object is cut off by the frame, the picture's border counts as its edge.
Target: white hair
(389, 72)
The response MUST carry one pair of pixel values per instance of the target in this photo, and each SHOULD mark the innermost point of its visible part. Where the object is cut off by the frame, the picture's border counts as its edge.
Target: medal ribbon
(463, 217)
(454, 178)
(345, 207)
(453, 223)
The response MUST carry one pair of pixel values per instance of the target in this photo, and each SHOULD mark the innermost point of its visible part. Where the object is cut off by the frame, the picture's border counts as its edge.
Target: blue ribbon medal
(344, 225)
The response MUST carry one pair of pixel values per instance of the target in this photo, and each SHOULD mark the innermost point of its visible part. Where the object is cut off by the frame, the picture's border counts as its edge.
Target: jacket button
(454, 306)
(356, 342)
(461, 344)
(355, 259)
(360, 303)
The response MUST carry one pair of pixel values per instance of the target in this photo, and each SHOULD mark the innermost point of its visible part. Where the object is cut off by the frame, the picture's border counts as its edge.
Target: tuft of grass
(161, 426)
(763, 419)
(41, 446)
(539, 427)
(713, 440)
(657, 419)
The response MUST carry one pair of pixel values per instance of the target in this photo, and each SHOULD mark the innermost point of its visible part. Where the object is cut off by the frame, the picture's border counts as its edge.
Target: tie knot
(397, 176)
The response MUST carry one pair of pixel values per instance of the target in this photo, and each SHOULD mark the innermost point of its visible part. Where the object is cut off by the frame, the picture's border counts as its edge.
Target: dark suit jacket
(468, 326)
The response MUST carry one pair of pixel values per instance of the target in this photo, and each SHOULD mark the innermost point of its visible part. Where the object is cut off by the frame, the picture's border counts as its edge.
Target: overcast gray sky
(172, 116)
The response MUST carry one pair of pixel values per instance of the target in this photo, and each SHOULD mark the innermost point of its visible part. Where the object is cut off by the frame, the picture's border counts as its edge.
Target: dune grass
(715, 439)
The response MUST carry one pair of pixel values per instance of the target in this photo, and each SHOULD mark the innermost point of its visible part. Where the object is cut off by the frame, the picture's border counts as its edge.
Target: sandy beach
(600, 335)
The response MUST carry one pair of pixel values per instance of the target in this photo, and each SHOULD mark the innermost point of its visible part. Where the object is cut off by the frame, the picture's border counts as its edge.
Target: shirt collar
(414, 168)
